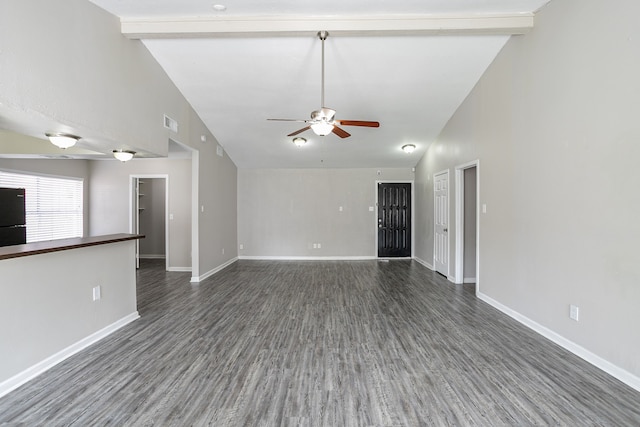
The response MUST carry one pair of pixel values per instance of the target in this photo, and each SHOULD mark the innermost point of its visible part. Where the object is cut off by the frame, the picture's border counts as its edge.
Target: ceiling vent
(170, 124)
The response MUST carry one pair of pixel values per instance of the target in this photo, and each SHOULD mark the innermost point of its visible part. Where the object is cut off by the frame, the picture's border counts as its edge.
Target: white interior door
(441, 223)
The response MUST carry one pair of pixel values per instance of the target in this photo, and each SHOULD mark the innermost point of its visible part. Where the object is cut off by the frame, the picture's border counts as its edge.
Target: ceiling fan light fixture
(62, 140)
(323, 121)
(123, 155)
(322, 128)
(299, 142)
(408, 148)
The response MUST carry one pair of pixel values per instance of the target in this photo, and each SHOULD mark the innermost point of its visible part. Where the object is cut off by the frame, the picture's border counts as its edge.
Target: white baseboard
(469, 280)
(151, 256)
(28, 374)
(181, 269)
(211, 272)
(308, 258)
(608, 367)
(425, 263)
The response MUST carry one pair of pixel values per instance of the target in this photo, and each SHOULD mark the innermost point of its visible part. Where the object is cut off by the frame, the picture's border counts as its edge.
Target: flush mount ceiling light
(62, 140)
(123, 155)
(408, 148)
(299, 141)
(219, 7)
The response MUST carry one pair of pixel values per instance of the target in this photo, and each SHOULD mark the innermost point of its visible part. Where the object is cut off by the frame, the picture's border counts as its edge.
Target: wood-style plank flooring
(361, 343)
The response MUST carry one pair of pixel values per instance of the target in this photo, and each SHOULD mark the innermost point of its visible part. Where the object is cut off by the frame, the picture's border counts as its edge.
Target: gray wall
(282, 212)
(554, 123)
(153, 217)
(39, 323)
(61, 167)
(110, 203)
(218, 213)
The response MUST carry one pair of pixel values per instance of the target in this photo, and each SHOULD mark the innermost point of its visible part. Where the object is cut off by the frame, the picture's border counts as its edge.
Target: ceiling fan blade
(340, 132)
(289, 120)
(300, 131)
(358, 123)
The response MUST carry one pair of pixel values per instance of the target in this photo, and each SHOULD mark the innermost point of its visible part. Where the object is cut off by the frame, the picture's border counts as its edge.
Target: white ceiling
(411, 85)
(269, 66)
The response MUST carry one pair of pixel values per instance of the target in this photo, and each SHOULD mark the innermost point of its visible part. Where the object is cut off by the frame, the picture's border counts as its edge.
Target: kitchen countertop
(28, 249)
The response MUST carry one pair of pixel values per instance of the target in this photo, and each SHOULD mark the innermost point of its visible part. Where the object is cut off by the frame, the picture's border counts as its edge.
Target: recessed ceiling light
(219, 7)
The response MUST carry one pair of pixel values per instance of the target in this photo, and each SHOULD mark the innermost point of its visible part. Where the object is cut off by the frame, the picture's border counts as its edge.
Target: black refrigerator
(13, 229)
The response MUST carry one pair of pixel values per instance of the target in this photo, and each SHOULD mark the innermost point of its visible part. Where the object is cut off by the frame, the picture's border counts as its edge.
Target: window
(53, 205)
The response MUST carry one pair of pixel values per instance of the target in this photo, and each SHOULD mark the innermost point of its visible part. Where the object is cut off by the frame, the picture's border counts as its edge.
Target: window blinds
(53, 205)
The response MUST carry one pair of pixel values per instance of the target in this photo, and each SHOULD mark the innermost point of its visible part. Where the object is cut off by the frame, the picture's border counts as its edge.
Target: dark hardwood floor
(319, 344)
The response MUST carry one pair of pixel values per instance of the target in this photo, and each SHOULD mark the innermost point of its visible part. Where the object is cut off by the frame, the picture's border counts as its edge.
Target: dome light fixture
(299, 141)
(408, 148)
(62, 140)
(123, 155)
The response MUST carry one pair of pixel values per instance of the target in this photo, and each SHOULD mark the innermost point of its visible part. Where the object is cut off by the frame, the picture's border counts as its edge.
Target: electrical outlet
(315, 246)
(574, 312)
(96, 293)
(319, 246)
(241, 246)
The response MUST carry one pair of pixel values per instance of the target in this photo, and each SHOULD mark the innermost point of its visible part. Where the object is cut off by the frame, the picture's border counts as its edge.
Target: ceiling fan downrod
(322, 35)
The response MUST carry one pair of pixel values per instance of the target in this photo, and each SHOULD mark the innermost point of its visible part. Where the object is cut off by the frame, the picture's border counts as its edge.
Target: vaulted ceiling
(407, 64)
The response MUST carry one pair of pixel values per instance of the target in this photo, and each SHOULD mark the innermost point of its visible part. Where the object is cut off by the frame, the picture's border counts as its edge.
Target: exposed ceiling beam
(309, 26)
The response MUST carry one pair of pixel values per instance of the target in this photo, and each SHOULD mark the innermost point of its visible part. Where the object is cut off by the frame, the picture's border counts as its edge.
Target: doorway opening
(149, 216)
(467, 223)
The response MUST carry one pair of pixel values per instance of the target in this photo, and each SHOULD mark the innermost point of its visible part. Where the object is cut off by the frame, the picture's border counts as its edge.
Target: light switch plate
(574, 312)
(97, 293)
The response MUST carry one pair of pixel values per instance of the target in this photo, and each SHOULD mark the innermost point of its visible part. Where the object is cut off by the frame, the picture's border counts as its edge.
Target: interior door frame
(411, 182)
(459, 251)
(133, 209)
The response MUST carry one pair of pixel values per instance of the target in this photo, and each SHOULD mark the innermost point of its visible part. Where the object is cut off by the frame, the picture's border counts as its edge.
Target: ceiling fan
(323, 121)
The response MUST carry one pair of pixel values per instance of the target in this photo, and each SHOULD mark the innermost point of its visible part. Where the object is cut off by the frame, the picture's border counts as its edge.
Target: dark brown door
(394, 219)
